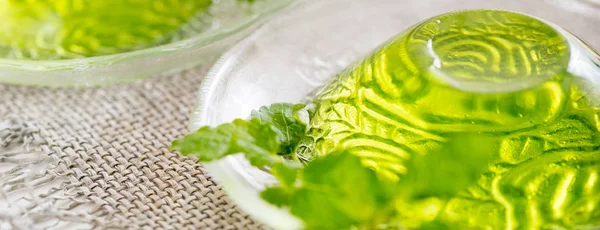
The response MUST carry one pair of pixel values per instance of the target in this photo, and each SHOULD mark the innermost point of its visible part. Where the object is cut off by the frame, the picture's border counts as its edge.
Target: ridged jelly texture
(496, 73)
(63, 29)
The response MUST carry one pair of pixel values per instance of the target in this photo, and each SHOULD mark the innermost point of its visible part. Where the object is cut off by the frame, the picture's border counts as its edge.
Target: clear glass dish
(226, 22)
(294, 54)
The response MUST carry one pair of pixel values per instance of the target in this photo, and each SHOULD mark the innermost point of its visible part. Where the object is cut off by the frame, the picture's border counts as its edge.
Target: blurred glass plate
(224, 23)
(295, 53)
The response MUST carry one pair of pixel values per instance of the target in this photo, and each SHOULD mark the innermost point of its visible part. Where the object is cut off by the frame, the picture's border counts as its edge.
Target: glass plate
(227, 22)
(291, 56)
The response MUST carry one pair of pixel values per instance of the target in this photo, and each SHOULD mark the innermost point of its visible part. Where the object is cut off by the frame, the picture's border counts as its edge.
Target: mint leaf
(256, 140)
(355, 190)
(317, 211)
(271, 130)
(335, 192)
(455, 166)
(289, 121)
(286, 173)
(278, 196)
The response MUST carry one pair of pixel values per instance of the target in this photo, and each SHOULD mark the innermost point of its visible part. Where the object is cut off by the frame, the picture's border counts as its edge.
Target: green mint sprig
(336, 191)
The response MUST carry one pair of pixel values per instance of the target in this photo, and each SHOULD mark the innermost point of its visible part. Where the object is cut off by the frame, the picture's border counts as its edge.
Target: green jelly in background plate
(497, 77)
(65, 29)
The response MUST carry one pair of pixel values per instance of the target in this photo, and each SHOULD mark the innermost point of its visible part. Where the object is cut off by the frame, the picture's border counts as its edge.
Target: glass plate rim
(245, 195)
(60, 73)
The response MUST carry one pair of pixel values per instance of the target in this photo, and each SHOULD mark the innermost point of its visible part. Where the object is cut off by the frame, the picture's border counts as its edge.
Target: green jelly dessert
(479, 119)
(65, 29)
(499, 79)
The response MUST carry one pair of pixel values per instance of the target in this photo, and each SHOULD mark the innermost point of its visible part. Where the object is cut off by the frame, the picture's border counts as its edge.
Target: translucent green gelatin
(491, 73)
(63, 29)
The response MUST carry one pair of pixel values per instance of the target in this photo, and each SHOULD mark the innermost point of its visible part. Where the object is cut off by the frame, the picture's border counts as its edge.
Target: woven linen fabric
(101, 157)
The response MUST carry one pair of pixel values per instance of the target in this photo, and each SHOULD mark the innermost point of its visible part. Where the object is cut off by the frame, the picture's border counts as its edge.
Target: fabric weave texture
(101, 157)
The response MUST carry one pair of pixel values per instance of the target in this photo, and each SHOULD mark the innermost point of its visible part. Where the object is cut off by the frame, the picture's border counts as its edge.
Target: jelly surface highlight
(66, 29)
(493, 73)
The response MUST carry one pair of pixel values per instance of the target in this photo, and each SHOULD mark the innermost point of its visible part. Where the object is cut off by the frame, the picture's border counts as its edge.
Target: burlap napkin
(100, 158)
